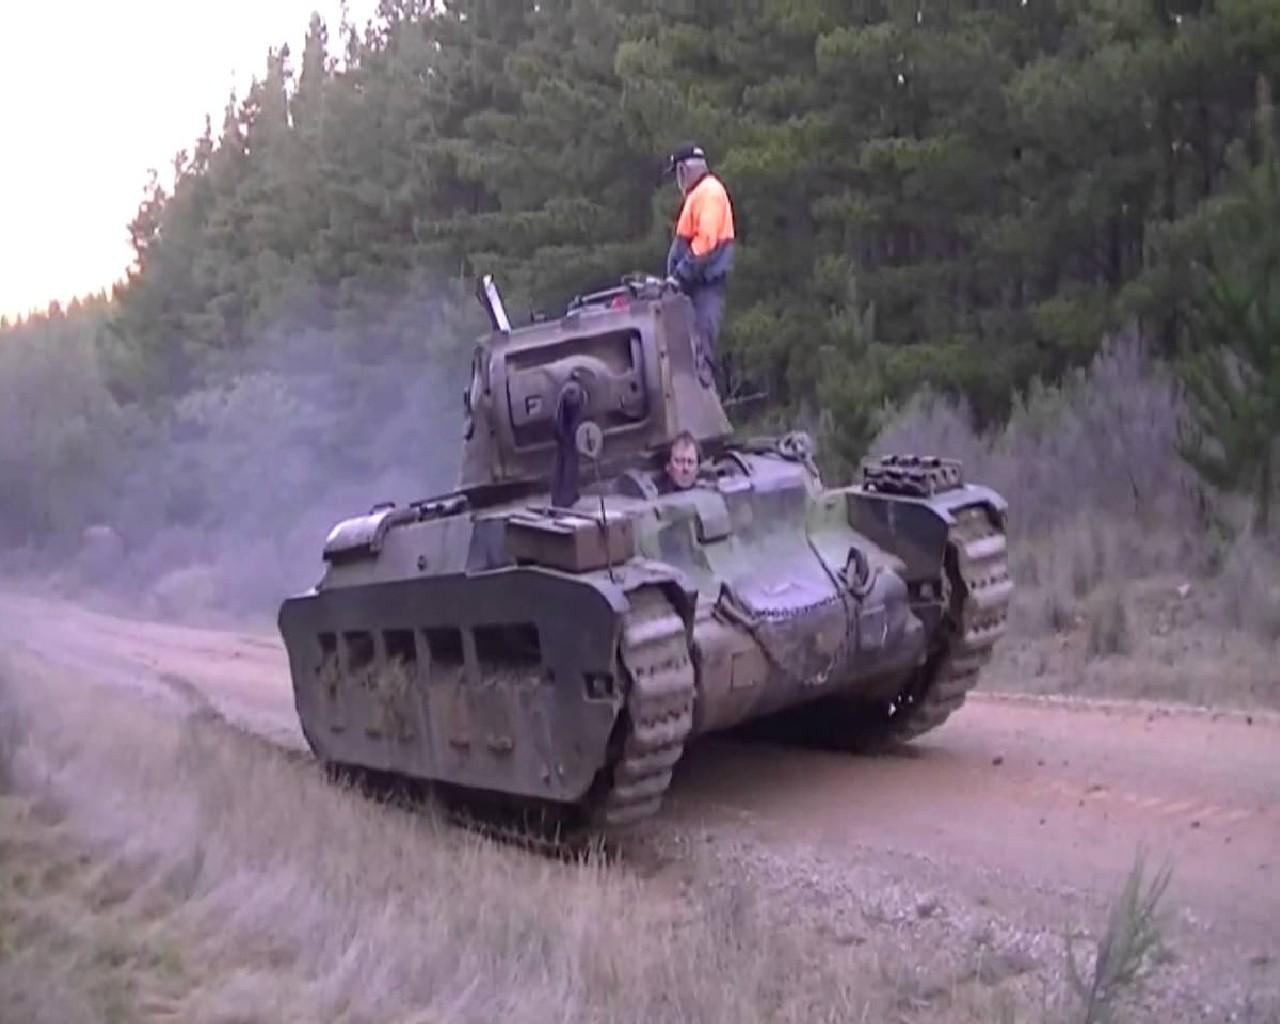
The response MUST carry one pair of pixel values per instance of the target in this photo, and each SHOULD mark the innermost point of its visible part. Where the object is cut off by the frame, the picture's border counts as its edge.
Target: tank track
(659, 714)
(980, 592)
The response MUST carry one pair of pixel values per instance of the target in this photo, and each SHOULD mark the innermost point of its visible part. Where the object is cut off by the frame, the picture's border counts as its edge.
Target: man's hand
(673, 283)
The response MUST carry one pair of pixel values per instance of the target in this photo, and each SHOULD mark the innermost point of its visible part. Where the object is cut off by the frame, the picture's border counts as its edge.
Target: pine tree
(1232, 376)
(1004, 181)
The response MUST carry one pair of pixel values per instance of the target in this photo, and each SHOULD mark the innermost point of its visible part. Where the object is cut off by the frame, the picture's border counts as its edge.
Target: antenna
(590, 442)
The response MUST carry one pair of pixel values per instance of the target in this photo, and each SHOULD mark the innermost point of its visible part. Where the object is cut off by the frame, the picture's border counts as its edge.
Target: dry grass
(1132, 582)
(156, 868)
(191, 869)
(1129, 618)
(66, 954)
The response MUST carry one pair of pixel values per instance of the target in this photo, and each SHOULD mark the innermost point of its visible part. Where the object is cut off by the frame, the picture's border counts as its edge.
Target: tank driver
(681, 471)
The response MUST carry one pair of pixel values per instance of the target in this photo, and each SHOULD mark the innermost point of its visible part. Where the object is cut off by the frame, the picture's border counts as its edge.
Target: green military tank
(549, 637)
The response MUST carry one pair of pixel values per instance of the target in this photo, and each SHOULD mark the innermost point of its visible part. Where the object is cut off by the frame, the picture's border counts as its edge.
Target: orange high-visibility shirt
(706, 219)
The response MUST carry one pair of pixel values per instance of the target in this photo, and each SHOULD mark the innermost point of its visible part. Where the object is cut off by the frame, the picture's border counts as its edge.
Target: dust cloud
(218, 501)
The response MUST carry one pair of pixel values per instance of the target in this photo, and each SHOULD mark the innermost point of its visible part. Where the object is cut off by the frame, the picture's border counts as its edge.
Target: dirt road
(1025, 810)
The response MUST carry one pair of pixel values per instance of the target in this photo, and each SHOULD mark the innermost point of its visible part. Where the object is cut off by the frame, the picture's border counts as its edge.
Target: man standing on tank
(701, 254)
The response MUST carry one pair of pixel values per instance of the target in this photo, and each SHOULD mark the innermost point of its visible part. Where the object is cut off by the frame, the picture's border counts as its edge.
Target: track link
(981, 589)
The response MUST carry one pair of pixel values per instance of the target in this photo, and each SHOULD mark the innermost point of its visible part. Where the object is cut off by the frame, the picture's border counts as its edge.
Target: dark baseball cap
(687, 151)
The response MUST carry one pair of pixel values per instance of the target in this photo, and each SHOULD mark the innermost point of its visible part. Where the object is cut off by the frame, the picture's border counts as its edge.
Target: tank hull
(566, 658)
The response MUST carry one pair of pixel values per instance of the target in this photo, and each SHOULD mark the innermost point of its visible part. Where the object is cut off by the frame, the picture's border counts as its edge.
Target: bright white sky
(95, 92)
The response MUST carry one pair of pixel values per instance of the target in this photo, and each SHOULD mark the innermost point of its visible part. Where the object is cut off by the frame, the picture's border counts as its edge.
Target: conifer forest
(968, 196)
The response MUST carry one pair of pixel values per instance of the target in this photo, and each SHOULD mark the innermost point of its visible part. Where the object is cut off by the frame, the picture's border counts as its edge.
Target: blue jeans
(708, 310)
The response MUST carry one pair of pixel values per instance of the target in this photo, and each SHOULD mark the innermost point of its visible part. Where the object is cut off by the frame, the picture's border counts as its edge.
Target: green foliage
(61, 432)
(994, 176)
(1232, 372)
(849, 388)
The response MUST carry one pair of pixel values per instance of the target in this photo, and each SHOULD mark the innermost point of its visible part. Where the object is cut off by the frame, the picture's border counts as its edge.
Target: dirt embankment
(981, 844)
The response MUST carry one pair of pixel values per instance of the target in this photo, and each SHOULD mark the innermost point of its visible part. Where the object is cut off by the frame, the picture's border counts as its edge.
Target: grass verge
(162, 867)
(155, 868)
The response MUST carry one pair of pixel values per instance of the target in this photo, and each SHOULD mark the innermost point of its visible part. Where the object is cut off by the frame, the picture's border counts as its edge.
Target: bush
(1099, 446)
(1249, 582)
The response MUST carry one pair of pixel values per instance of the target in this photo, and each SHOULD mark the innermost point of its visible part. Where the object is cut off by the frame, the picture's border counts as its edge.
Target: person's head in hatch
(682, 461)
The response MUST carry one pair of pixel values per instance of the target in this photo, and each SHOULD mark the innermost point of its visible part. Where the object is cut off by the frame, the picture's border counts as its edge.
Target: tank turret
(630, 350)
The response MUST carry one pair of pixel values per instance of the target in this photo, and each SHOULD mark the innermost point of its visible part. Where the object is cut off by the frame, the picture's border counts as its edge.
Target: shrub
(1098, 445)
(1132, 936)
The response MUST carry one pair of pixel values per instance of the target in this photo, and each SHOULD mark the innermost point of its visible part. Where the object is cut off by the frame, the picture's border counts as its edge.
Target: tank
(550, 636)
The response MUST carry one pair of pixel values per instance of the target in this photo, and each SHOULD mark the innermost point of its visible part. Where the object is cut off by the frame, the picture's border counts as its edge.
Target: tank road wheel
(978, 583)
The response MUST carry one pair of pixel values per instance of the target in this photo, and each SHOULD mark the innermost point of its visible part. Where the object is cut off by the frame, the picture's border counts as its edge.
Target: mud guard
(915, 529)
